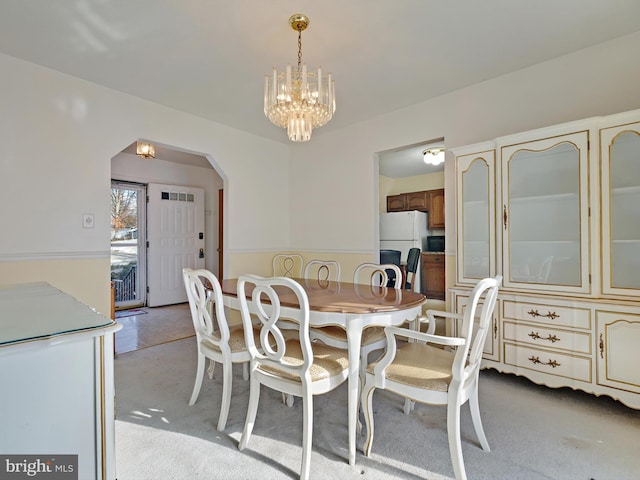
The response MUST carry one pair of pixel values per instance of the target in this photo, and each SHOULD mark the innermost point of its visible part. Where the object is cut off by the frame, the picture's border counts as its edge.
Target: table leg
(354, 339)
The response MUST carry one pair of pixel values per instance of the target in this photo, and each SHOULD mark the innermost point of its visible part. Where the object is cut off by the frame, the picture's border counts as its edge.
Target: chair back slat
(287, 265)
(483, 297)
(484, 324)
(376, 274)
(322, 270)
(260, 297)
(205, 302)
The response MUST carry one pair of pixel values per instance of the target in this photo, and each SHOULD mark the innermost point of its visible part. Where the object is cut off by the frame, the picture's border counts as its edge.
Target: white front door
(175, 220)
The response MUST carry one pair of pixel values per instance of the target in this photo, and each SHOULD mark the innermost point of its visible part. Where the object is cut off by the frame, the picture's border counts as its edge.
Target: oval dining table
(352, 307)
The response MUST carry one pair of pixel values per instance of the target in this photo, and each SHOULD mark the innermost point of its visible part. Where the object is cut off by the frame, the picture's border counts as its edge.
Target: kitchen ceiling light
(433, 156)
(145, 150)
(296, 99)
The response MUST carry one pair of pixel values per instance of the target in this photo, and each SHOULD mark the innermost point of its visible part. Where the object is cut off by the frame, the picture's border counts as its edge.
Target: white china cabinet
(556, 211)
(476, 182)
(620, 167)
(545, 214)
(56, 370)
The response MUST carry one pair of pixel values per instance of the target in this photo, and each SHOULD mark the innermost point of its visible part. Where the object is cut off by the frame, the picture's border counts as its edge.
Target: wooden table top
(342, 297)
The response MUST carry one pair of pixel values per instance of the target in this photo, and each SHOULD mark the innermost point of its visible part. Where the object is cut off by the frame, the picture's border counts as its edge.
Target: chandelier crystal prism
(297, 99)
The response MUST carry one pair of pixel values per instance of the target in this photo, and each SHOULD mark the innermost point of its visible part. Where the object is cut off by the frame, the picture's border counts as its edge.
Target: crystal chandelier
(296, 99)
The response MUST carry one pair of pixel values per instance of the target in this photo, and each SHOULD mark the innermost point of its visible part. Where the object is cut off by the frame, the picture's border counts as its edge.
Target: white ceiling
(408, 161)
(209, 57)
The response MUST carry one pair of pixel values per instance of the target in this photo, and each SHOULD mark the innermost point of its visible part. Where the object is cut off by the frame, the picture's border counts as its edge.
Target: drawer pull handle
(550, 338)
(551, 315)
(536, 360)
(601, 347)
(495, 328)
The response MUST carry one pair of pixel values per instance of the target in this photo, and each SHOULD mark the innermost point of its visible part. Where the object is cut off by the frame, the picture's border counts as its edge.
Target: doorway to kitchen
(128, 243)
(411, 207)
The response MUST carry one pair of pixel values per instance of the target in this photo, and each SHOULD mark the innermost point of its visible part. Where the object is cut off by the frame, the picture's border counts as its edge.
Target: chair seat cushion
(369, 335)
(327, 361)
(420, 365)
(236, 340)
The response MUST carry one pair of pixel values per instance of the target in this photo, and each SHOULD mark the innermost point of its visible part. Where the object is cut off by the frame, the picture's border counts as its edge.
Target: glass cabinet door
(476, 216)
(620, 153)
(545, 214)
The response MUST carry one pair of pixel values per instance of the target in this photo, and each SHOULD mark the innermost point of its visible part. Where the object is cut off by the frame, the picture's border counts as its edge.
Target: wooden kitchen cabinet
(433, 276)
(435, 206)
(431, 201)
(404, 202)
(397, 203)
(418, 201)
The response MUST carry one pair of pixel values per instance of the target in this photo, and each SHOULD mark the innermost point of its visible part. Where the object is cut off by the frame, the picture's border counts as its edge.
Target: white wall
(57, 137)
(129, 167)
(334, 179)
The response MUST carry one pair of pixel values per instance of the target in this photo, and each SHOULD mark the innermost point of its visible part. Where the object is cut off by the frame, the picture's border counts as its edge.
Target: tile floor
(158, 325)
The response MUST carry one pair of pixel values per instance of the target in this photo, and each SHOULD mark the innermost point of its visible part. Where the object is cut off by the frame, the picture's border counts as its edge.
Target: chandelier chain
(299, 49)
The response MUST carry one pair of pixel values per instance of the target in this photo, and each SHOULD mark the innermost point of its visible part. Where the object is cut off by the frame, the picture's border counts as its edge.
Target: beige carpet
(535, 432)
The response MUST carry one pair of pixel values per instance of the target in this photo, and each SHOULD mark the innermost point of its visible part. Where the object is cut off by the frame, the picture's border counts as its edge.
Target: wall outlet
(87, 220)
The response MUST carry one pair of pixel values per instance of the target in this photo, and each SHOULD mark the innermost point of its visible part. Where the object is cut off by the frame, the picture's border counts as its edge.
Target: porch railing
(126, 286)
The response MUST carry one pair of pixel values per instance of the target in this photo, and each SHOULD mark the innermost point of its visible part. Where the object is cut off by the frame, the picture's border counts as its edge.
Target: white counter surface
(35, 311)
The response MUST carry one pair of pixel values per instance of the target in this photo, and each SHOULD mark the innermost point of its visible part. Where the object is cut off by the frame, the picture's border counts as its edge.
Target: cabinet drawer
(548, 362)
(554, 338)
(548, 314)
(432, 258)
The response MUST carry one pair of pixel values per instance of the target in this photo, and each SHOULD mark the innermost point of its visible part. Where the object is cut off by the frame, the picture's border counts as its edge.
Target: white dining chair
(374, 275)
(287, 265)
(322, 270)
(436, 369)
(377, 274)
(288, 365)
(215, 339)
(282, 265)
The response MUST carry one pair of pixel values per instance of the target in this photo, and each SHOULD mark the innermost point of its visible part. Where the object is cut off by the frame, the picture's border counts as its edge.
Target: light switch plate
(87, 220)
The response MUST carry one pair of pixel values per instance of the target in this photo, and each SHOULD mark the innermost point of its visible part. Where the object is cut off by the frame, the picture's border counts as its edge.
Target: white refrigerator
(402, 231)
